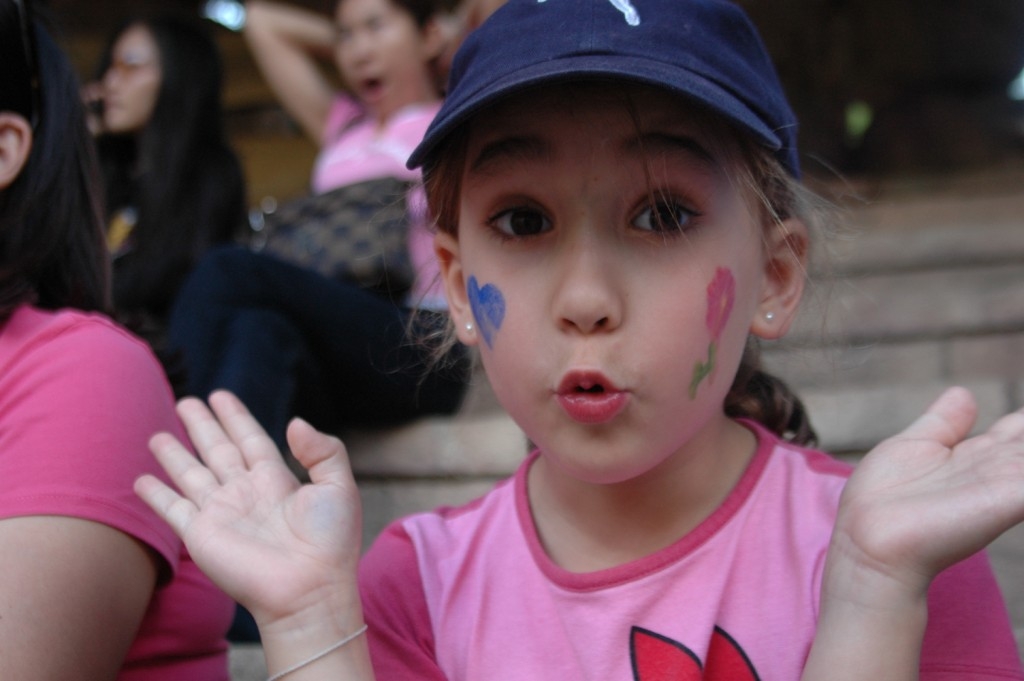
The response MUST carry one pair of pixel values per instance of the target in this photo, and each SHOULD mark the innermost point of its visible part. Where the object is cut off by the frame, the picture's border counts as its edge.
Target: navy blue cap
(705, 50)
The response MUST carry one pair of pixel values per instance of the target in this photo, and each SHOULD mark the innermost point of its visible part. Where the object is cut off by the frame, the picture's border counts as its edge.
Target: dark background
(931, 74)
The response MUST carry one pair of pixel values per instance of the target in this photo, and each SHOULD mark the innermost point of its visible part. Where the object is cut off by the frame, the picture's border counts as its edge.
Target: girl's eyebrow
(509, 149)
(664, 143)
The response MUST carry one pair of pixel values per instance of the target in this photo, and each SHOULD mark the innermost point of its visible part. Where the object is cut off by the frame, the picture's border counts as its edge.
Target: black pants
(289, 342)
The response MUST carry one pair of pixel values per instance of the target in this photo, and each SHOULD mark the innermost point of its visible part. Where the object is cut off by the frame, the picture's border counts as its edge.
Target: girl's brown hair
(776, 196)
(755, 393)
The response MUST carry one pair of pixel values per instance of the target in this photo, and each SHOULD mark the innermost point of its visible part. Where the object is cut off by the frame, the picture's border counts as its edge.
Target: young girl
(287, 339)
(620, 220)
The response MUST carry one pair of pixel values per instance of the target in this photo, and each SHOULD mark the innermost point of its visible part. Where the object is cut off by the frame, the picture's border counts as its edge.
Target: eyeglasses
(28, 42)
(128, 63)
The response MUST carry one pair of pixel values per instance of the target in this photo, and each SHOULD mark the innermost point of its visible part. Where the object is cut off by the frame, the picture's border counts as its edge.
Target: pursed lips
(590, 397)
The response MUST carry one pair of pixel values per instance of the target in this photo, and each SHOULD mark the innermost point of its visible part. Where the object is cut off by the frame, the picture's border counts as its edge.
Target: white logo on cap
(624, 6)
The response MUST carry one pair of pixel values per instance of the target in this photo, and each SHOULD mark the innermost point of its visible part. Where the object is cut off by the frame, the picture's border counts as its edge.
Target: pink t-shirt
(469, 593)
(355, 149)
(79, 400)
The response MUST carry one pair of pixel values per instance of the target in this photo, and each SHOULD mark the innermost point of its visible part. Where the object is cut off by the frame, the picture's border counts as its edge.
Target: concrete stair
(924, 291)
(436, 461)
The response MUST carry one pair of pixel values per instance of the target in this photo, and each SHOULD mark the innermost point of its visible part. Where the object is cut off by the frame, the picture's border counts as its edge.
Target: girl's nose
(588, 298)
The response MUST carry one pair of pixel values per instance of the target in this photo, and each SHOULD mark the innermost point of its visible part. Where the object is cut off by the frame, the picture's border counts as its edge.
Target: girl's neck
(586, 527)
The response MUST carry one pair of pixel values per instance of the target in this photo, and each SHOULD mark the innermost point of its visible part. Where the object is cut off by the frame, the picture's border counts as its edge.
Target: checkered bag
(356, 233)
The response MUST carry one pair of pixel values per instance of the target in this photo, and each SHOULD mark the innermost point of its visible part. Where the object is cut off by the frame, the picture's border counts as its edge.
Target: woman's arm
(72, 595)
(288, 44)
(918, 503)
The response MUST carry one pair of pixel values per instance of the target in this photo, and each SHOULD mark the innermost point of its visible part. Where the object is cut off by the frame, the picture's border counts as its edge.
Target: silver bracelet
(323, 653)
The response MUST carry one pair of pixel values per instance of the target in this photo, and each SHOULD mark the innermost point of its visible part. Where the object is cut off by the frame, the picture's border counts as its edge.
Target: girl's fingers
(336, 517)
(1009, 427)
(252, 441)
(213, 445)
(324, 456)
(166, 503)
(947, 421)
(194, 479)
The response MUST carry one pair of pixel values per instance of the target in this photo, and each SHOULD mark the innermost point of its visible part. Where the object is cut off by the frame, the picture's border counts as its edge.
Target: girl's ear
(15, 146)
(453, 276)
(786, 245)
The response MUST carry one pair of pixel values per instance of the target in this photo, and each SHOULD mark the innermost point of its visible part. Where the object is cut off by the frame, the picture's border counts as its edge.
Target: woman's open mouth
(370, 89)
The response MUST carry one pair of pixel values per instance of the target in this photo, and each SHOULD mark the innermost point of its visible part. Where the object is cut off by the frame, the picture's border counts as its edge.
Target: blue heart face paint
(488, 307)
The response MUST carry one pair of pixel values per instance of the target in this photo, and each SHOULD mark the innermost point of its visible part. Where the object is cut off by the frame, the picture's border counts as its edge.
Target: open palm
(273, 544)
(931, 496)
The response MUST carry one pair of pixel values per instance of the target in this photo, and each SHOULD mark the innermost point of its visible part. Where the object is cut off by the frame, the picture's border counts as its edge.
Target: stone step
(434, 461)
(933, 230)
(934, 303)
(861, 394)
(853, 420)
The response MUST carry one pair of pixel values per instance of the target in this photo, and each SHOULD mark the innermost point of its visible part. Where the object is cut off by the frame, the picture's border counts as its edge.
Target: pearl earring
(769, 316)
(469, 327)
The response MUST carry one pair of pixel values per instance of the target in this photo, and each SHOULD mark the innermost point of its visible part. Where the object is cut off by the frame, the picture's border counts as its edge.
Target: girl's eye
(520, 222)
(665, 216)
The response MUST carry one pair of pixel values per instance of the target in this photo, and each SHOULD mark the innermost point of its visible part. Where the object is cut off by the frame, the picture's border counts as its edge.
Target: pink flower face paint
(721, 296)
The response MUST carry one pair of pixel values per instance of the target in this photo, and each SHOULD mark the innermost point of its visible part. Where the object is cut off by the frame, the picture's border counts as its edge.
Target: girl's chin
(594, 471)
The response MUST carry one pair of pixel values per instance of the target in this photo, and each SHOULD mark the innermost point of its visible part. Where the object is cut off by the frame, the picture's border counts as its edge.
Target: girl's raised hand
(916, 504)
(282, 549)
(931, 496)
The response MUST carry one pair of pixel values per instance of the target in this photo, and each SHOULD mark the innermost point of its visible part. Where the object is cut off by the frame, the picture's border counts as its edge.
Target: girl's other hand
(286, 551)
(930, 496)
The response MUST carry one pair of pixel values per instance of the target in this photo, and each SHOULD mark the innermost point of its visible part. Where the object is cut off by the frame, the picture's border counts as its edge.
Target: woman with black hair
(93, 585)
(174, 186)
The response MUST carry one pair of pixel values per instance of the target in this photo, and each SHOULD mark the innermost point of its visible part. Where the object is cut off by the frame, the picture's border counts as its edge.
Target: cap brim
(635, 69)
